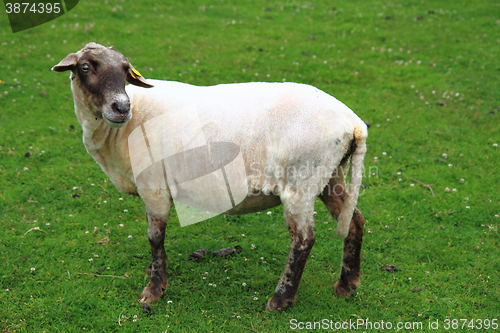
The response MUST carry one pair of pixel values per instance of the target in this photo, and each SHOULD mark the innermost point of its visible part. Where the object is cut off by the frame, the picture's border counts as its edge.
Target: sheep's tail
(356, 175)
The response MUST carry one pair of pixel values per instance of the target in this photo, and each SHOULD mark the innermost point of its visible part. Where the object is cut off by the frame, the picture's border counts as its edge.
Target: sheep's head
(99, 74)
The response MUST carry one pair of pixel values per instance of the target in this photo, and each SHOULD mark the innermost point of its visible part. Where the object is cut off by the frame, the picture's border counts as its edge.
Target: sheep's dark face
(99, 74)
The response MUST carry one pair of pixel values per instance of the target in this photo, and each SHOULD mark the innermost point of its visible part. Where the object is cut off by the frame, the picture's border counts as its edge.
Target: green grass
(391, 62)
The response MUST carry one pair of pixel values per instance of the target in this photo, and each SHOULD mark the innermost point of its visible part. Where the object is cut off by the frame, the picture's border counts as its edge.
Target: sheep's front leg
(157, 268)
(302, 236)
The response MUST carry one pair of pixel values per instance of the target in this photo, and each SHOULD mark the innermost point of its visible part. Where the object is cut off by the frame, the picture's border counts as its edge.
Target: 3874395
(33, 8)
(478, 324)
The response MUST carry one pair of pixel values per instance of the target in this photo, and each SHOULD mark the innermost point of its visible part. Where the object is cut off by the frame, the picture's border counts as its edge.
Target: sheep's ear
(66, 64)
(135, 78)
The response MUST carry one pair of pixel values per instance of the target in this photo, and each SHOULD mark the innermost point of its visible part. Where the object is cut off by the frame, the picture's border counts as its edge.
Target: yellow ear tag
(132, 74)
(136, 72)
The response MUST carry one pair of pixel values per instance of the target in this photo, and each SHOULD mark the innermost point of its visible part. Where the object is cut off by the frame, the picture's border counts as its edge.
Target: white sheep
(293, 142)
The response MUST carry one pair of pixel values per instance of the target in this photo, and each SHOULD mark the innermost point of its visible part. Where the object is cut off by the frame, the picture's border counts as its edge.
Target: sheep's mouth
(115, 122)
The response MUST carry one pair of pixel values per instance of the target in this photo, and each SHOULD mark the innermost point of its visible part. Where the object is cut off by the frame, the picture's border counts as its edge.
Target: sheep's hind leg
(157, 267)
(333, 197)
(301, 228)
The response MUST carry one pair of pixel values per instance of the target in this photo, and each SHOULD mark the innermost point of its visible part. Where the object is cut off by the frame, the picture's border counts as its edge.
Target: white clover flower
(130, 236)
(244, 284)
(269, 213)
(447, 189)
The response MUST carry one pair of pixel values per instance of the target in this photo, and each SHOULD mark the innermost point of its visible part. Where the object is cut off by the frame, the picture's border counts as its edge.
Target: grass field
(425, 74)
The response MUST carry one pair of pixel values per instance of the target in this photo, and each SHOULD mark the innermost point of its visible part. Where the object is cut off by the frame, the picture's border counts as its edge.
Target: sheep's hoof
(279, 304)
(345, 289)
(152, 292)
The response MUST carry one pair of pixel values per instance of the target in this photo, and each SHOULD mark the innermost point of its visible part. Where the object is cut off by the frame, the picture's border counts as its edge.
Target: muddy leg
(333, 198)
(156, 269)
(302, 237)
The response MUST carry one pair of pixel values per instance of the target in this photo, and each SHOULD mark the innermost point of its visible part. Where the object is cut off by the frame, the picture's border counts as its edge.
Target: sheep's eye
(85, 68)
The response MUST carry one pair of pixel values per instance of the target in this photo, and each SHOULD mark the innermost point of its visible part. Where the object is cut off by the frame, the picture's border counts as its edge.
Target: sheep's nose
(121, 107)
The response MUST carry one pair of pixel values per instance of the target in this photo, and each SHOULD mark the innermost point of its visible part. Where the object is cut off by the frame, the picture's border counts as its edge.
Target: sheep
(293, 141)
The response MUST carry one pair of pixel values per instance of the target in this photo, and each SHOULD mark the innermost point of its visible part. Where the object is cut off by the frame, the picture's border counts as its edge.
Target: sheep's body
(298, 132)
(295, 141)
